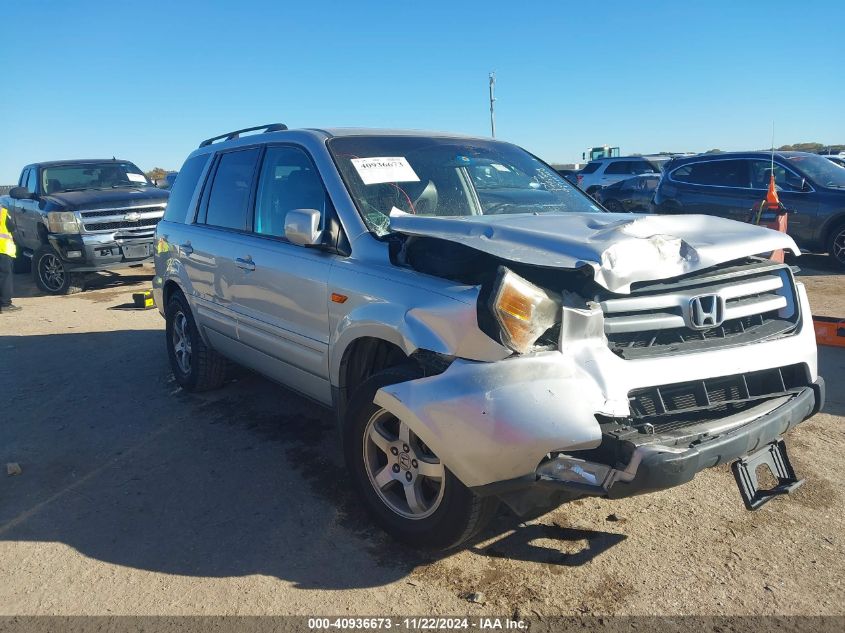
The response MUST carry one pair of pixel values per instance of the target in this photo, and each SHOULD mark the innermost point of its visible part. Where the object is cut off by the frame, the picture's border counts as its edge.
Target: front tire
(404, 486)
(50, 273)
(195, 366)
(836, 246)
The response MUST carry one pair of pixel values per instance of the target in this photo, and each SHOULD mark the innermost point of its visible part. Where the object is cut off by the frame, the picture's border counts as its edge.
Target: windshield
(819, 169)
(448, 177)
(81, 176)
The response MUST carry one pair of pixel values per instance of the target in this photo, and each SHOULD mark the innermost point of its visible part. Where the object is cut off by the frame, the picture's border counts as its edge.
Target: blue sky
(148, 81)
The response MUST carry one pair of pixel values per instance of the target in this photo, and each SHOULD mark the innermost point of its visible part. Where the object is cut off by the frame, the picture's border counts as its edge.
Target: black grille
(112, 226)
(745, 330)
(715, 394)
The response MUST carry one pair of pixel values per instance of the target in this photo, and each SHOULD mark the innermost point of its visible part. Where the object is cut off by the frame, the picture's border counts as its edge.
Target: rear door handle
(245, 264)
(186, 248)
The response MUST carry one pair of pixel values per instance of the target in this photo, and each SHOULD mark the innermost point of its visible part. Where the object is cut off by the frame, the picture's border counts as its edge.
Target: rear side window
(229, 198)
(590, 168)
(183, 189)
(717, 173)
(619, 167)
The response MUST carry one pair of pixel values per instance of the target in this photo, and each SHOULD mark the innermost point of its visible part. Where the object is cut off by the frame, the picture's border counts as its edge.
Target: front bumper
(102, 251)
(656, 467)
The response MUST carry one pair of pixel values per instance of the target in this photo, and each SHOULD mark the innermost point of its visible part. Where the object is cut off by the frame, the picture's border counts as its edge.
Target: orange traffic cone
(772, 203)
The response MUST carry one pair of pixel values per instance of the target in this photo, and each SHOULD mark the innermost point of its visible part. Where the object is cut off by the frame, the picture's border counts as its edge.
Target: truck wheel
(50, 274)
(592, 192)
(404, 486)
(836, 246)
(196, 366)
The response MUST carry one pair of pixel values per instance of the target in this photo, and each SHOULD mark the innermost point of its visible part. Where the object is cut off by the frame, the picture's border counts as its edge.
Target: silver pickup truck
(485, 331)
(72, 217)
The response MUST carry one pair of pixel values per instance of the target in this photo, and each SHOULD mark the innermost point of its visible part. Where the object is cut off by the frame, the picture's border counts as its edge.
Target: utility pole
(492, 104)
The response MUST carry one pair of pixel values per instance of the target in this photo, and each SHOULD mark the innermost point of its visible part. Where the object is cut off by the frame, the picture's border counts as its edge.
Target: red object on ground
(829, 331)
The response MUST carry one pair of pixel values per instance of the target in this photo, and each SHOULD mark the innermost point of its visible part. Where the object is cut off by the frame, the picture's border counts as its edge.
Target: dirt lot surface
(138, 498)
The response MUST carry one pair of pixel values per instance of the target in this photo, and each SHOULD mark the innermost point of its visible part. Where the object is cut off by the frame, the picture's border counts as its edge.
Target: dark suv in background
(811, 187)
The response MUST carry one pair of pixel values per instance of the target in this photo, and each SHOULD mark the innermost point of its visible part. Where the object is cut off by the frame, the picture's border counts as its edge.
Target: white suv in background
(607, 171)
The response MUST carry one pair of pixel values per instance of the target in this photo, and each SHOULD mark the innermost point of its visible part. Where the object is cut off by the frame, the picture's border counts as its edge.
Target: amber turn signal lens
(523, 311)
(339, 298)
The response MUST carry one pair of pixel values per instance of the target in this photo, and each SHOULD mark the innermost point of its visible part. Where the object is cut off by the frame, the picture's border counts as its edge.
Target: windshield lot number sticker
(381, 169)
(135, 177)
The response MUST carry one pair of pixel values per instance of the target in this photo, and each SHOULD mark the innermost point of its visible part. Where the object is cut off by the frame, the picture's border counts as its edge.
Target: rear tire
(836, 246)
(51, 275)
(421, 503)
(195, 366)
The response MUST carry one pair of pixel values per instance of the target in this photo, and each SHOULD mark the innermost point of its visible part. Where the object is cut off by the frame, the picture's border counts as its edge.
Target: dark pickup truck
(77, 216)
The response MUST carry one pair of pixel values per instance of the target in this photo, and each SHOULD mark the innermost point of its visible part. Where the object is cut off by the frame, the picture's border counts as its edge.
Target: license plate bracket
(774, 457)
(136, 251)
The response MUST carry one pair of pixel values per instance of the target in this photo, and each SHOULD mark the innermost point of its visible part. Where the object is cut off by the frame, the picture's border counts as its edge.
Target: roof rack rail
(272, 127)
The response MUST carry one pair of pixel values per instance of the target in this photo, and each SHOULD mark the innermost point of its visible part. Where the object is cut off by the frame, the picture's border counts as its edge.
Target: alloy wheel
(838, 246)
(181, 342)
(52, 272)
(403, 471)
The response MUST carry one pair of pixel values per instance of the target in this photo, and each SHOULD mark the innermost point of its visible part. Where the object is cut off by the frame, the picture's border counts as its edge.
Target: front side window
(785, 180)
(32, 180)
(83, 176)
(288, 181)
(716, 173)
(229, 197)
(389, 175)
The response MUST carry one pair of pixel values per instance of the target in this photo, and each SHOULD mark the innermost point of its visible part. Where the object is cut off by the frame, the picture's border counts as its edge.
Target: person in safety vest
(7, 254)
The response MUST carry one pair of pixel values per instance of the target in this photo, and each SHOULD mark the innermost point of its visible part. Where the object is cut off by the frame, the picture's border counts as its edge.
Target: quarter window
(183, 189)
(590, 168)
(229, 198)
(288, 181)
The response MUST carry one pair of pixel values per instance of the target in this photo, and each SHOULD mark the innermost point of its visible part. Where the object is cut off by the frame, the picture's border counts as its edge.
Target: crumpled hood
(621, 248)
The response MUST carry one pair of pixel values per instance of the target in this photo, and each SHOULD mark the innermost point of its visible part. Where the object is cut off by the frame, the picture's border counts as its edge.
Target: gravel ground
(138, 498)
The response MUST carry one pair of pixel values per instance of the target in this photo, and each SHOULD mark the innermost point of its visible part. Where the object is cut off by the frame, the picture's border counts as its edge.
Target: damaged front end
(614, 392)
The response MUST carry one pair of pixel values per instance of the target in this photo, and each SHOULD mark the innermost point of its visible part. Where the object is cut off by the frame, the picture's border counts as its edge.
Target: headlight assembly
(522, 310)
(62, 222)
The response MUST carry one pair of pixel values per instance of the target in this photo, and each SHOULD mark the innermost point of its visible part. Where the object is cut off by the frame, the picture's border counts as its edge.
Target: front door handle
(186, 248)
(245, 264)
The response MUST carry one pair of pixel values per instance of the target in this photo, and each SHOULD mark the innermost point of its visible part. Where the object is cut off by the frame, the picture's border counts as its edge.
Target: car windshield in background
(819, 169)
(80, 177)
(448, 177)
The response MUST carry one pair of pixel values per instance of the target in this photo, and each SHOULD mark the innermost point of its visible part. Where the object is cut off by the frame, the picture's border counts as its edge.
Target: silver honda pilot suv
(484, 331)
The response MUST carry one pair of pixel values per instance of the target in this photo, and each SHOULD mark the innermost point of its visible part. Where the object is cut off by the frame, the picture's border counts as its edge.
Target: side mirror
(21, 193)
(302, 227)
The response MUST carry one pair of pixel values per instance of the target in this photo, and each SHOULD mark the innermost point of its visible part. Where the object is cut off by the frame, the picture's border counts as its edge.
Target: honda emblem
(706, 311)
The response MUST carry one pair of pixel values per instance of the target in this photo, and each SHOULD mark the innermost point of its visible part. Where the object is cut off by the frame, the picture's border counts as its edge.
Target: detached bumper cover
(658, 471)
